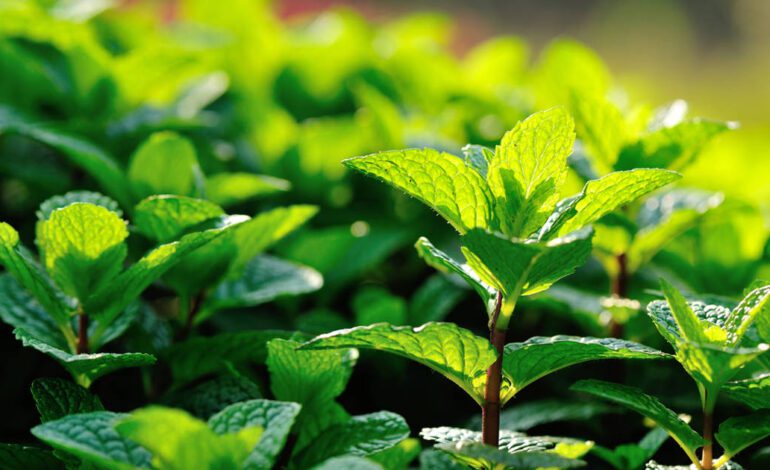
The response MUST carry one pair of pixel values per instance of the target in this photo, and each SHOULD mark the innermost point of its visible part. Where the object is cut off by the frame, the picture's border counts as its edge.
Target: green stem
(490, 409)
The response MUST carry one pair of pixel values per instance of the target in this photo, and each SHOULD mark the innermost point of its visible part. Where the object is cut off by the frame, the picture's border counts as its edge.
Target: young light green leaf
(227, 189)
(20, 457)
(715, 365)
(163, 164)
(92, 437)
(178, 441)
(524, 363)
(20, 310)
(454, 352)
(360, 436)
(740, 432)
(528, 169)
(600, 127)
(478, 158)
(689, 326)
(648, 406)
(57, 398)
(444, 263)
(86, 368)
(672, 147)
(25, 269)
(602, 196)
(90, 197)
(518, 267)
(275, 417)
(264, 278)
(164, 218)
(83, 247)
(755, 303)
(478, 455)
(200, 356)
(440, 180)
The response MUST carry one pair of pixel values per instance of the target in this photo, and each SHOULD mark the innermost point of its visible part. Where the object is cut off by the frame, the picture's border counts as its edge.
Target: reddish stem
(708, 435)
(82, 346)
(490, 410)
(620, 290)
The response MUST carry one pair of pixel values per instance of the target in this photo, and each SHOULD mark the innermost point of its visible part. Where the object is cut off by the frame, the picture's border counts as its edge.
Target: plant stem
(490, 410)
(620, 290)
(191, 308)
(708, 435)
(82, 345)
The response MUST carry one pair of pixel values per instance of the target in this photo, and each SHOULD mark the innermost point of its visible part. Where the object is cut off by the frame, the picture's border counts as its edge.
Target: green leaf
(313, 379)
(672, 147)
(360, 436)
(399, 456)
(275, 417)
(756, 303)
(611, 192)
(80, 152)
(57, 398)
(164, 218)
(20, 263)
(86, 368)
(476, 454)
(20, 310)
(740, 432)
(200, 356)
(83, 247)
(210, 397)
(112, 299)
(454, 352)
(689, 326)
(264, 278)
(59, 202)
(600, 127)
(163, 164)
(525, 416)
(92, 437)
(227, 189)
(179, 441)
(518, 267)
(444, 263)
(19, 457)
(434, 299)
(754, 392)
(528, 168)
(478, 158)
(375, 305)
(348, 463)
(524, 363)
(648, 406)
(440, 180)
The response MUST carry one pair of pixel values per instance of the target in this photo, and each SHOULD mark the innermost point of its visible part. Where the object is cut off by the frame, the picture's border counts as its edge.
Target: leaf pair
(463, 357)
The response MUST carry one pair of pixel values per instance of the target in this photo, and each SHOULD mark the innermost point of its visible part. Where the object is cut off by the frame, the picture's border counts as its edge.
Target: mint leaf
(476, 454)
(83, 247)
(478, 158)
(602, 196)
(20, 310)
(19, 457)
(275, 417)
(525, 416)
(518, 267)
(440, 180)
(164, 218)
(754, 304)
(444, 263)
(689, 326)
(210, 397)
(754, 392)
(360, 436)
(600, 127)
(454, 352)
(646, 405)
(163, 164)
(738, 433)
(399, 456)
(264, 278)
(25, 269)
(200, 356)
(90, 197)
(86, 368)
(313, 379)
(434, 299)
(524, 363)
(92, 437)
(227, 189)
(178, 441)
(57, 398)
(528, 168)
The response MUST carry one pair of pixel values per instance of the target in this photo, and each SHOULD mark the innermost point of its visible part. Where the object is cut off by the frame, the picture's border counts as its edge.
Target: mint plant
(713, 344)
(518, 238)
